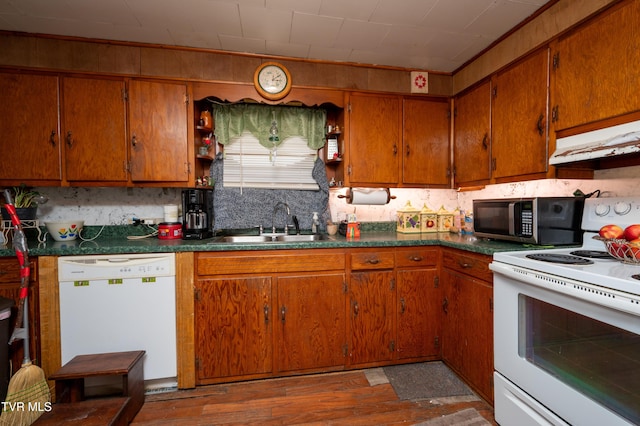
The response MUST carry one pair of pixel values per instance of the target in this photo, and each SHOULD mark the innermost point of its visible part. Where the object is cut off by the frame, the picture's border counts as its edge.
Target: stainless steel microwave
(539, 220)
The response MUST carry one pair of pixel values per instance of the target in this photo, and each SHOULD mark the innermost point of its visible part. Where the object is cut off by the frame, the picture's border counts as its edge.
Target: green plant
(25, 197)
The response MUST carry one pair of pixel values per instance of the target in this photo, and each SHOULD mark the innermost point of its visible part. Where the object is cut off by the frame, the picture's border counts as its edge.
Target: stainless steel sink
(247, 239)
(301, 238)
(269, 238)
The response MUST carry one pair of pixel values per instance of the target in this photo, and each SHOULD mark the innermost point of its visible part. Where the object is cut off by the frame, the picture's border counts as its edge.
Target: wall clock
(272, 80)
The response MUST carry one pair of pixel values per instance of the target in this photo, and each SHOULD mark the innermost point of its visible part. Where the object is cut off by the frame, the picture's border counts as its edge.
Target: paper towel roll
(370, 196)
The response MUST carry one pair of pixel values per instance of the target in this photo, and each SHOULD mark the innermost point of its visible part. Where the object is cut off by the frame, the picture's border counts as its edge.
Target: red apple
(611, 231)
(632, 232)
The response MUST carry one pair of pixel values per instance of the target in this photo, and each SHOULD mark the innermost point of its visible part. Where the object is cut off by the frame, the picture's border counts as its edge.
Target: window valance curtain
(232, 120)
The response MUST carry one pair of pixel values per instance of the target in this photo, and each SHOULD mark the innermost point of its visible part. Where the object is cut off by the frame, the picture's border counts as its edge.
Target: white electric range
(567, 329)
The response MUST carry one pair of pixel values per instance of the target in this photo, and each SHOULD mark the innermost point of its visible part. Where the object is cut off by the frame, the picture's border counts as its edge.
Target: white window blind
(247, 164)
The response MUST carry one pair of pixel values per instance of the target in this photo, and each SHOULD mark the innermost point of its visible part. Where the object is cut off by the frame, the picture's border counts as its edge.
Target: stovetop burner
(566, 259)
(593, 254)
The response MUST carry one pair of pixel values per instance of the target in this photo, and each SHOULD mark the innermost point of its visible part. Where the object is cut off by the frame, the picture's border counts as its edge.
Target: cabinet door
(419, 313)
(519, 118)
(425, 156)
(10, 289)
(311, 322)
(596, 69)
(374, 139)
(94, 129)
(472, 136)
(30, 132)
(234, 327)
(468, 330)
(372, 306)
(158, 131)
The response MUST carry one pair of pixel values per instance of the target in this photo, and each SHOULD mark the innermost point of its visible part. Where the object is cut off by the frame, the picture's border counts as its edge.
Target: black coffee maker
(197, 214)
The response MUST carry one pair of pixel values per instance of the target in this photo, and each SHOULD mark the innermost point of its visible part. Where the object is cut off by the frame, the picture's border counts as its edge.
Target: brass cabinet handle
(69, 139)
(415, 258)
(134, 140)
(283, 312)
(356, 309)
(52, 138)
(266, 314)
(485, 141)
(373, 261)
(445, 305)
(395, 149)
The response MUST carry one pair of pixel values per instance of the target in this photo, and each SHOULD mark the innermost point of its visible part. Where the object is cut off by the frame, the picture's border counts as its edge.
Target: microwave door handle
(512, 222)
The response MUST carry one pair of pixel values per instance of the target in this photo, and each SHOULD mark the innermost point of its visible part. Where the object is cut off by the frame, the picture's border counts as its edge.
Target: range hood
(603, 143)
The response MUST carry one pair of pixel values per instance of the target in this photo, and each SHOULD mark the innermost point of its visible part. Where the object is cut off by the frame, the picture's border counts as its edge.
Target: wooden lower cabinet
(418, 304)
(467, 345)
(10, 289)
(372, 317)
(310, 322)
(233, 327)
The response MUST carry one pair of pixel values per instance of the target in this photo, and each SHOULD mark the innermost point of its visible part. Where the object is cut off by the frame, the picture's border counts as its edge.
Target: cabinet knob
(266, 314)
(415, 258)
(69, 139)
(373, 261)
(134, 140)
(445, 305)
(52, 138)
(540, 125)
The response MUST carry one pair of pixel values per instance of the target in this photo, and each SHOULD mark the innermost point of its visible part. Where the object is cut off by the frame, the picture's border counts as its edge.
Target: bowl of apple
(622, 244)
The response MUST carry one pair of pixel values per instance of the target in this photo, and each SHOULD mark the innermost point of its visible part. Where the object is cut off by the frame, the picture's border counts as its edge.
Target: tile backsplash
(116, 206)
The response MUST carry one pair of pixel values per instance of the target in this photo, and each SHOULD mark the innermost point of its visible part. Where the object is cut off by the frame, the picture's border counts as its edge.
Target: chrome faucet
(273, 216)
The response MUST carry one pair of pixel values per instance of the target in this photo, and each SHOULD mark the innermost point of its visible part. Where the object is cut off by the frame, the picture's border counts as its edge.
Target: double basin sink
(273, 238)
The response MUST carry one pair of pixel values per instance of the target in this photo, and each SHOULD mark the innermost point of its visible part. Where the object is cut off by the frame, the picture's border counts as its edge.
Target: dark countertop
(113, 244)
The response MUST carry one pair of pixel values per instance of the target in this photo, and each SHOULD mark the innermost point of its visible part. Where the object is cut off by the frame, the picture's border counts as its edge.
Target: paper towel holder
(350, 192)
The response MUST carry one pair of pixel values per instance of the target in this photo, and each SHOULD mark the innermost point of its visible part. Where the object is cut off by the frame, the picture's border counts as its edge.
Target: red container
(170, 230)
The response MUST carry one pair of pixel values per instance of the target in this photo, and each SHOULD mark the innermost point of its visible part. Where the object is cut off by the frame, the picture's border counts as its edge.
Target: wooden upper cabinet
(158, 136)
(595, 68)
(30, 130)
(472, 136)
(425, 148)
(94, 129)
(374, 139)
(519, 118)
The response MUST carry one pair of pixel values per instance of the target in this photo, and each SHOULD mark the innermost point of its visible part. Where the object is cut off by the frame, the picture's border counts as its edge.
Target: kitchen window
(269, 147)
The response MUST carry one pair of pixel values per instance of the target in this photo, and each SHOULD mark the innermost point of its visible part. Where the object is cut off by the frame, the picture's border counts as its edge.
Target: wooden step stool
(70, 390)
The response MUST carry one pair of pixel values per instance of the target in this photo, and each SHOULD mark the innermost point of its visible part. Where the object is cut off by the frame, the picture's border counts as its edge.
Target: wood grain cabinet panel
(519, 119)
(310, 322)
(31, 150)
(159, 146)
(472, 136)
(234, 328)
(595, 68)
(94, 133)
(10, 289)
(425, 143)
(372, 317)
(375, 143)
(467, 345)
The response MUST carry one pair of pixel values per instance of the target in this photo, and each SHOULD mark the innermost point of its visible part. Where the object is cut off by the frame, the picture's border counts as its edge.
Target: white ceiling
(436, 35)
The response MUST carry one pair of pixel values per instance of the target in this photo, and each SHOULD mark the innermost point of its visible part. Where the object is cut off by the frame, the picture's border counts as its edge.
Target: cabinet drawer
(268, 262)
(475, 265)
(372, 260)
(9, 270)
(416, 257)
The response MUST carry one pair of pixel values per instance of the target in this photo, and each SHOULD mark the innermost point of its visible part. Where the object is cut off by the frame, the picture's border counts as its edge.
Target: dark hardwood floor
(332, 398)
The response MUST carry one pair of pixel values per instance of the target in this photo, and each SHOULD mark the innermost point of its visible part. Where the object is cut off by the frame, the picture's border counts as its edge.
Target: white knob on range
(622, 207)
(602, 209)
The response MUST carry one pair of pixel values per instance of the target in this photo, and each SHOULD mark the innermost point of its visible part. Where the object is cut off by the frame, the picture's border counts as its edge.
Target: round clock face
(272, 81)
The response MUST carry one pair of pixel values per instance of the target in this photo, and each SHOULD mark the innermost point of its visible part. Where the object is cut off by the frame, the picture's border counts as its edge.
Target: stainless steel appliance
(567, 329)
(197, 213)
(542, 220)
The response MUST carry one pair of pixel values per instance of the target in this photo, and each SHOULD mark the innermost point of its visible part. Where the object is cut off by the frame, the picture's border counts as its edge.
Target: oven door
(570, 349)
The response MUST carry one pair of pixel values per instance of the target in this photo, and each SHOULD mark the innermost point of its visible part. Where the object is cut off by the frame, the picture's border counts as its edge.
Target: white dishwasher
(113, 303)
